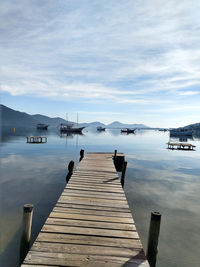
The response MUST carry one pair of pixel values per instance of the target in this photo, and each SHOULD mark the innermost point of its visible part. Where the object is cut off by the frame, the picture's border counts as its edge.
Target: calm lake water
(157, 179)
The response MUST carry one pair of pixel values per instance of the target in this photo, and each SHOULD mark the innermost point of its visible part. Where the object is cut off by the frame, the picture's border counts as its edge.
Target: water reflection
(157, 179)
(70, 135)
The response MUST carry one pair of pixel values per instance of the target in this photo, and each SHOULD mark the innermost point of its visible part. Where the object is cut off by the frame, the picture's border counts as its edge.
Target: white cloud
(189, 93)
(129, 52)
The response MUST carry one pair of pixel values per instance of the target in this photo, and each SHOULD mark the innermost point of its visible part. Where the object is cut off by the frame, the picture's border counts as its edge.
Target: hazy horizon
(130, 61)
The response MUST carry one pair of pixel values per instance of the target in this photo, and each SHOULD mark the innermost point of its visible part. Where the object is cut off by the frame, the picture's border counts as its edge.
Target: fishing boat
(69, 128)
(180, 132)
(99, 128)
(42, 126)
(127, 130)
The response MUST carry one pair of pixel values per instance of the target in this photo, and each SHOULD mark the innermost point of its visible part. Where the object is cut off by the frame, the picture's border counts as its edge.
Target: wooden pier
(36, 139)
(91, 223)
(180, 146)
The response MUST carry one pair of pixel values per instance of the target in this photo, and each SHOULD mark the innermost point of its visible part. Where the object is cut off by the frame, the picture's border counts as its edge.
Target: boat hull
(42, 127)
(127, 131)
(72, 130)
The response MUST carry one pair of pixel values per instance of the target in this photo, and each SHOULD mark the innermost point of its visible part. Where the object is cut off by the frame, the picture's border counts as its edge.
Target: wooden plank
(89, 240)
(60, 259)
(92, 199)
(84, 249)
(92, 217)
(91, 224)
(106, 213)
(93, 207)
(104, 195)
(89, 231)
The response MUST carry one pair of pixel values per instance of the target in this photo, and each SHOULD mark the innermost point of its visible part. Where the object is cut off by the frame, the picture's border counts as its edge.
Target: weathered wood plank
(89, 231)
(88, 223)
(92, 217)
(64, 259)
(118, 214)
(93, 194)
(92, 207)
(89, 240)
(84, 249)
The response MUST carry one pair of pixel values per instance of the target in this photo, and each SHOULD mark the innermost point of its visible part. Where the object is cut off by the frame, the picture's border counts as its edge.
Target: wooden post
(114, 157)
(26, 231)
(70, 170)
(123, 173)
(81, 154)
(154, 231)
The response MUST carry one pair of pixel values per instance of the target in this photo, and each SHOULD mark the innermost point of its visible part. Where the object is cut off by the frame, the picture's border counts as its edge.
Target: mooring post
(70, 170)
(115, 156)
(26, 231)
(81, 154)
(154, 231)
(123, 173)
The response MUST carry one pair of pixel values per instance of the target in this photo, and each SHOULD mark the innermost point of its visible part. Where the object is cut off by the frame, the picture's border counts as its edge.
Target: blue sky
(135, 61)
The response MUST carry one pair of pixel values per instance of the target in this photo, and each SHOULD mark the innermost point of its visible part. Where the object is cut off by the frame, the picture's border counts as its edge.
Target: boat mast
(77, 119)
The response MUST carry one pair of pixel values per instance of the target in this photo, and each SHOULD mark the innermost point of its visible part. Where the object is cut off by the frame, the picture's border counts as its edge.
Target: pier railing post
(154, 231)
(26, 231)
(70, 170)
(81, 154)
(123, 173)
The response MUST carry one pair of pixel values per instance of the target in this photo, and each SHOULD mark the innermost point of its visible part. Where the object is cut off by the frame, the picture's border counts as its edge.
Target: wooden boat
(180, 132)
(99, 128)
(69, 128)
(42, 126)
(127, 130)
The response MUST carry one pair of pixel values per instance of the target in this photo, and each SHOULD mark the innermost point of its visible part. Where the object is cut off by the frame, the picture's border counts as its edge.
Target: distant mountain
(14, 119)
(92, 124)
(193, 126)
(53, 122)
(117, 124)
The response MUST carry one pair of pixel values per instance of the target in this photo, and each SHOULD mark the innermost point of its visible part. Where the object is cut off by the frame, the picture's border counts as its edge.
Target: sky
(134, 61)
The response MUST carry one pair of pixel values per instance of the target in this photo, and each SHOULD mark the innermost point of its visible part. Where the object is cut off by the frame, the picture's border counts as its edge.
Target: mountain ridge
(13, 118)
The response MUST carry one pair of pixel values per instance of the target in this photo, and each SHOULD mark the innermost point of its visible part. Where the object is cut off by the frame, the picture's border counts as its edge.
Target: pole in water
(70, 170)
(115, 155)
(26, 231)
(123, 173)
(81, 154)
(154, 231)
